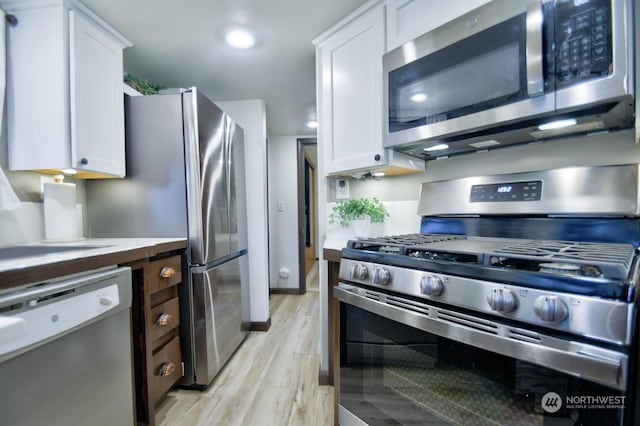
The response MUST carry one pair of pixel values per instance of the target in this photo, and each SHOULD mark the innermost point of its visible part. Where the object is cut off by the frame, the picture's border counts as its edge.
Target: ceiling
(180, 44)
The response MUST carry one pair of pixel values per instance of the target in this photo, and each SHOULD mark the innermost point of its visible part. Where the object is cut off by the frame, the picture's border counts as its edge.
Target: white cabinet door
(64, 90)
(97, 99)
(408, 19)
(37, 107)
(351, 91)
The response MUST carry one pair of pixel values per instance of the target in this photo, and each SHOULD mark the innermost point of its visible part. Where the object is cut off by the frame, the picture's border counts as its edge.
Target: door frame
(302, 142)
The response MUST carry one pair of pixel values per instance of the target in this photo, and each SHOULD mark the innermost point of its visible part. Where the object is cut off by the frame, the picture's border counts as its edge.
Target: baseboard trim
(323, 378)
(285, 291)
(261, 326)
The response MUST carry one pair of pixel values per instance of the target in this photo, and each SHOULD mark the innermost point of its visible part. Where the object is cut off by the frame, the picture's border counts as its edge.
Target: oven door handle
(534, 53)
(604, 366)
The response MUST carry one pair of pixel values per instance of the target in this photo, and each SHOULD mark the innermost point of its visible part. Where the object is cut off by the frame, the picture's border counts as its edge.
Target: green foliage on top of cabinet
(143, 86)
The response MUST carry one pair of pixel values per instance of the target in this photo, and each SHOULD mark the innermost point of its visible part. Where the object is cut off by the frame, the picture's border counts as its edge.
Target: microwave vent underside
(604, 117)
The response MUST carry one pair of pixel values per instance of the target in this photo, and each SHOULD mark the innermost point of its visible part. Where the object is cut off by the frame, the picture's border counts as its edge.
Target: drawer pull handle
(167, 272)
(166, 369)
(164, 319)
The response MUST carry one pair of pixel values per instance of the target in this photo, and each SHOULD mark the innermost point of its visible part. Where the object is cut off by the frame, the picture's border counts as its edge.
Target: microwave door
(490, 74)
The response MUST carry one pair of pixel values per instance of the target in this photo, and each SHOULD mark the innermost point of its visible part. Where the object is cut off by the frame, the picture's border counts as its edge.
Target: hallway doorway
(307, 207)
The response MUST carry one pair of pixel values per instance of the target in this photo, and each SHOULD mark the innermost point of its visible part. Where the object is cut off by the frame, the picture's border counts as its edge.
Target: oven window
(394, 374)
(478, 73)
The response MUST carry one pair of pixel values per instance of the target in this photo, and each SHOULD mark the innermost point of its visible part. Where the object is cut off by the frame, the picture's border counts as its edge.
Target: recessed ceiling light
(312, 124)
(240, 39)
(438, 147)
(419, 97)
(558, 124)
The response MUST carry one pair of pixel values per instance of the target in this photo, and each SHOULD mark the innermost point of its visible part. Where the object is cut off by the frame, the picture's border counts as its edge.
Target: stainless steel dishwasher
(65, 352)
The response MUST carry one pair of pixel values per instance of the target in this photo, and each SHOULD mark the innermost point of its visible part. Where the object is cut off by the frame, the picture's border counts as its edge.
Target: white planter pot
(360, 227)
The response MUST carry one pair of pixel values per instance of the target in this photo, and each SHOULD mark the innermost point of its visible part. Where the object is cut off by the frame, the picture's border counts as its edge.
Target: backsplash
(403, 219)
(22, 225)
(25, 224)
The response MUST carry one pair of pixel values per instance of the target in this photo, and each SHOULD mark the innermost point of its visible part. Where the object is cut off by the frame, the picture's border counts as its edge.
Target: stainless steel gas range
(515, 304)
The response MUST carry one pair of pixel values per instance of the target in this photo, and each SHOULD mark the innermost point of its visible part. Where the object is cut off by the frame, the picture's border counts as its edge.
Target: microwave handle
(534, 53)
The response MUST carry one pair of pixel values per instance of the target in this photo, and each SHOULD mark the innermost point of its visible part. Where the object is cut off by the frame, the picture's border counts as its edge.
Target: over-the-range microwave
(509, 72)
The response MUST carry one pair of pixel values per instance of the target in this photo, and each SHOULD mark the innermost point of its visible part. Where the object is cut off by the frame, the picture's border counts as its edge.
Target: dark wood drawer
(163, 273)
(169, 359)
(169, 312)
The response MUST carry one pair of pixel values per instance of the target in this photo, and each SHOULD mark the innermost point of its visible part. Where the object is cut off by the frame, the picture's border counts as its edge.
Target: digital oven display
(504, 192)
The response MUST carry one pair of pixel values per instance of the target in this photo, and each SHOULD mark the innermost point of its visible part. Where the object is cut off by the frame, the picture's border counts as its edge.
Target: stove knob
(551, 308)
(431, 285)
(381, 276)
(359, 272)
(502, 300)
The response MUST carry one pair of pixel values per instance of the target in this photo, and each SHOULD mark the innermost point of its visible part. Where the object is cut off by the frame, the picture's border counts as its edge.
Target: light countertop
(336, 243)
(99, 252)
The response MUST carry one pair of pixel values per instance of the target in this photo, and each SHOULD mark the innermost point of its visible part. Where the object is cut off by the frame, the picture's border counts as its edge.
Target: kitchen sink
(16, 252)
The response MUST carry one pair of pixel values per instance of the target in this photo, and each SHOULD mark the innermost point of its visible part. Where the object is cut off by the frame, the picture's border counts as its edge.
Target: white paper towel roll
(60, 212)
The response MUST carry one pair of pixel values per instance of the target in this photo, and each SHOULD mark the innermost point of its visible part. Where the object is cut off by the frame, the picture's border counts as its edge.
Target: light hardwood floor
(271, 380)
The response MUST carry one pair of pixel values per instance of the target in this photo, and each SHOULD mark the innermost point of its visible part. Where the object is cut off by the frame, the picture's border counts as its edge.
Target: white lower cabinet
(65, 103)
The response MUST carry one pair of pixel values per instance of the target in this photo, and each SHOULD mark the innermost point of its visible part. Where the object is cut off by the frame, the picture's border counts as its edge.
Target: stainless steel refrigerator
(185, 177)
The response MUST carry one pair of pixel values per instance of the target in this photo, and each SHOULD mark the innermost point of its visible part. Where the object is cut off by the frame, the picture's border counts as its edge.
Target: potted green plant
(356, 211)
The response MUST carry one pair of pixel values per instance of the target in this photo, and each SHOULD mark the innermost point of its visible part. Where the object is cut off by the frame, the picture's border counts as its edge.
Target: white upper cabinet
(65, 102)
(408, 19)
(349, 80)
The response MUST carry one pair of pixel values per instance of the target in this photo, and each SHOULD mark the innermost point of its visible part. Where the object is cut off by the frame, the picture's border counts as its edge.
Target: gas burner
(560, 268)
(389, 249)
(570, 269)
(447, 257)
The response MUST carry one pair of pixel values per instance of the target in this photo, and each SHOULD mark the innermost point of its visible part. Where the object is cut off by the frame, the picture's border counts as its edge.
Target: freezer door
(217, 318)
(205, 148)
(236, 189)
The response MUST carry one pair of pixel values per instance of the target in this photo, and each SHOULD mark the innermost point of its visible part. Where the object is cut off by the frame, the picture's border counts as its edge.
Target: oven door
(404, 362)
(485, 68)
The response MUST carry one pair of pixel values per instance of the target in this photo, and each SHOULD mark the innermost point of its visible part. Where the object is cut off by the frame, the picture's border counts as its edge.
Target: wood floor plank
(271, 380)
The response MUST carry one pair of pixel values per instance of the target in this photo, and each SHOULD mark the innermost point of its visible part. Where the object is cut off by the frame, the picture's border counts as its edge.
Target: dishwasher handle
(43, 290)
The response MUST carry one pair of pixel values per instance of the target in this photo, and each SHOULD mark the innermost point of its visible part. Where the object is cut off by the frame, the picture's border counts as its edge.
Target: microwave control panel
(583, 40)
(503, 192)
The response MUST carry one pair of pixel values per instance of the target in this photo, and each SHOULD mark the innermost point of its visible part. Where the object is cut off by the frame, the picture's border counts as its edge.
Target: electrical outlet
(342, 189)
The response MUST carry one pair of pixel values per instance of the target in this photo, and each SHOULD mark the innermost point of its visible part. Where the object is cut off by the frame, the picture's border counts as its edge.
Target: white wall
(283, 211)
(251, 115)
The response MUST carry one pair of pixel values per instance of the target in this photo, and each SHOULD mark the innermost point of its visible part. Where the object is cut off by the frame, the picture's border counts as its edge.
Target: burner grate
(612, 260)
(411, 240)
(398, 244)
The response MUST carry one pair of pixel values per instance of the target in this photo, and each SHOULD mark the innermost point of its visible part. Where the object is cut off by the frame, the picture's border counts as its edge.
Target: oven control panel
(555, 310)
(504, 192)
